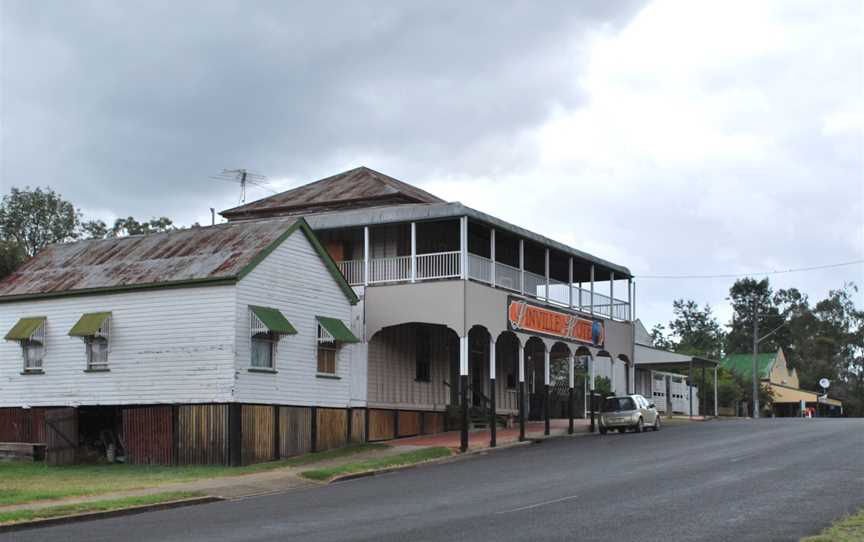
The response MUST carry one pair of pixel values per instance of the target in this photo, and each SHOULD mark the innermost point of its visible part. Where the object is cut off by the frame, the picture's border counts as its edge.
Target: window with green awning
(25, 328)
(273, 320)
(336, 329)
(91, 325)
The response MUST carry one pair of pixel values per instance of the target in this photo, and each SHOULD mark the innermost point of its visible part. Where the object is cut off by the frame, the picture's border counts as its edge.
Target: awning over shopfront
(784, 394)
(655, 359)
(648, 357)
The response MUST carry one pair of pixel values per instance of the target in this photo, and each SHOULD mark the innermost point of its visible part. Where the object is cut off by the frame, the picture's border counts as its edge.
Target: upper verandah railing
(448, 265)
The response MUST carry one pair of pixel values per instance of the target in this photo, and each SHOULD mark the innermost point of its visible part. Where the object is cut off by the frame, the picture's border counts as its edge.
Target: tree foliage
(33, 219)
(36, 218)
(97, 229)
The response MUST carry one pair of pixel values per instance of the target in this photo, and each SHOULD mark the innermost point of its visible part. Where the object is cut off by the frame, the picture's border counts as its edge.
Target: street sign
(824, 383)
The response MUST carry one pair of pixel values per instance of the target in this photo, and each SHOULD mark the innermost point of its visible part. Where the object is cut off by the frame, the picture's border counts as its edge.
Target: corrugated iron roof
(194, 254)
(357, 187)
(742, 364)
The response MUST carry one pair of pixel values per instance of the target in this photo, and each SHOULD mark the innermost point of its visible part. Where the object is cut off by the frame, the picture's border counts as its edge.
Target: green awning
(337, 329)
(89, 324)
(25, 328)
(274, 320)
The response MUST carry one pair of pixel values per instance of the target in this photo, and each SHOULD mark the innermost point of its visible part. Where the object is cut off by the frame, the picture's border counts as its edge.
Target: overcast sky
(671, 137)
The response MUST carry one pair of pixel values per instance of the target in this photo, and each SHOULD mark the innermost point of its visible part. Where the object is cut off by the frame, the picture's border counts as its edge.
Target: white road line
(539, 504)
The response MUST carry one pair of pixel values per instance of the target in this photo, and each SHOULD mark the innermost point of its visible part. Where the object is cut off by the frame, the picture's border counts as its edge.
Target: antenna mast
(245, 178)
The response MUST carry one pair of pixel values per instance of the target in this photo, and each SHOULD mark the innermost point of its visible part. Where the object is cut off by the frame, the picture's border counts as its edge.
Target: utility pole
(755, 352)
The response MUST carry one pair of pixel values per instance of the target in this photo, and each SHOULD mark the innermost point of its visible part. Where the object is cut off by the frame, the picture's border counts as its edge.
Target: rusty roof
(359, 187)
(191, 255)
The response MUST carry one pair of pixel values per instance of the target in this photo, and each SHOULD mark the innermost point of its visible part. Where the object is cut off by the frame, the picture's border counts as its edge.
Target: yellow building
(775, 374)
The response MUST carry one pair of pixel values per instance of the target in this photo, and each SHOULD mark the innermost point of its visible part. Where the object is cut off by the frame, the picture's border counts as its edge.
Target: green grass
(23, 482)
(408, 458)
(95, 506)
(849, 529)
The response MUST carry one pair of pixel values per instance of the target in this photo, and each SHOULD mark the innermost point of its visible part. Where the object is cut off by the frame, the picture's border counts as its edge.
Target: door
(668, 395)
(61, 428)
(477, 370)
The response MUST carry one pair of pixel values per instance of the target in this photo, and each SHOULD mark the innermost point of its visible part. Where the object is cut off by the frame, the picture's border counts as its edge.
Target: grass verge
(848, 529)
(18, 516)
(408, 458)
(24, 482)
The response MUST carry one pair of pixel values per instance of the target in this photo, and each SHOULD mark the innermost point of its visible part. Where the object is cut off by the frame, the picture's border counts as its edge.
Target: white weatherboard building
(169, 332)
(402, 314)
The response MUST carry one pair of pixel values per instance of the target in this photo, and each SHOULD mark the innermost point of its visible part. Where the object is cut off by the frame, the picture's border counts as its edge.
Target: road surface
(722, 480)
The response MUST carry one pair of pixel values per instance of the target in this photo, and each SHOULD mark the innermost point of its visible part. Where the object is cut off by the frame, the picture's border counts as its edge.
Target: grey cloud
(130, 106)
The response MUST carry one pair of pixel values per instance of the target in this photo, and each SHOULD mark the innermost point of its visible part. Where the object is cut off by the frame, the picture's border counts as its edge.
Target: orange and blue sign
(529, 318)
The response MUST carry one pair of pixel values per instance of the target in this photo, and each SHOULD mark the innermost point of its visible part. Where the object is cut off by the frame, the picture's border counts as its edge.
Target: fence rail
(479, 268)
(442, 265)
(438, 265)
(393, 269)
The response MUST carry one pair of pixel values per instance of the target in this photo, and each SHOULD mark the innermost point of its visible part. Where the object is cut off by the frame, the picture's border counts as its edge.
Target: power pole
(755, 352)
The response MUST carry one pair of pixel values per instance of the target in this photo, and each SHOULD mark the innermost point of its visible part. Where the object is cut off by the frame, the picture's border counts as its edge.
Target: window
(33, 351)
(327, 358)
(263, 350)
(332, 333)
(95, 330)
(97, 353)
(423, 358)
(29, 333)
(266, 327)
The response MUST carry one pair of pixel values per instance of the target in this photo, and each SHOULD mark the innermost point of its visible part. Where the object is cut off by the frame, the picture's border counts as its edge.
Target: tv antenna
(244, 178)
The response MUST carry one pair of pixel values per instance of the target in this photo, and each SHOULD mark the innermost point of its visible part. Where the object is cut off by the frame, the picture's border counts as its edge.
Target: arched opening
(479, 345)
(507, 372)
(604, 373)
(411, 366)
(583, 363)
(535, 369)
(559, 380)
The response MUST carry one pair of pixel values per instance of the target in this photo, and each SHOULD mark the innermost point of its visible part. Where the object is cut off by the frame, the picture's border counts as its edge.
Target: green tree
(695, 331)
(36, 218)
(660, 339)
(751, 298)
(11, 256)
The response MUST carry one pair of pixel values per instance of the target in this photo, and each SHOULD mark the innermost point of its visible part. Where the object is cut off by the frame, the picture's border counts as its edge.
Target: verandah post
(492, 256)
(463, 375)
(492, 407)
(413, 252)
(571, 378)
(521, 391)
(365, 255)
(546, 358)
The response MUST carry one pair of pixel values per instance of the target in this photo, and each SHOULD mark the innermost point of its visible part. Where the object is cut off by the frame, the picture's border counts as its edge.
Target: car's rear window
(616, 404)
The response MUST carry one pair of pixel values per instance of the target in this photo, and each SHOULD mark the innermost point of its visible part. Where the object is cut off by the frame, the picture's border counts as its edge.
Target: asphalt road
(722, 480)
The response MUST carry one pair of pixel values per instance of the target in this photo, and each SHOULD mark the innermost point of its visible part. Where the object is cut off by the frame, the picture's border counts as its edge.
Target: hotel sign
(529, 318)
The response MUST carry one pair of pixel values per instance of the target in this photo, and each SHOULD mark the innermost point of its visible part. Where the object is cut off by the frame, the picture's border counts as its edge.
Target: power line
(763, 273)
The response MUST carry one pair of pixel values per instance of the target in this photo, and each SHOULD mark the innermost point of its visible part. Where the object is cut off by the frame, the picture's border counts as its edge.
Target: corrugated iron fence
(22, 425)
(148, 435)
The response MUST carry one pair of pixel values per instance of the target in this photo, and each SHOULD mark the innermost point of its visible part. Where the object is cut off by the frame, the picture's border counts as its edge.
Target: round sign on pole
(824, 383)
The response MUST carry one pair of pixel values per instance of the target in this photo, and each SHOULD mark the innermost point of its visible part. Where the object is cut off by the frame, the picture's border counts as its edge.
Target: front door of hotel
(478, 361)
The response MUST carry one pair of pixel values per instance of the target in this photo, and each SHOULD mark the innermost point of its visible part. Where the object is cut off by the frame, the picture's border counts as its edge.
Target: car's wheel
(622, 430)
(640, 426)
(602, 430)
(657, 423)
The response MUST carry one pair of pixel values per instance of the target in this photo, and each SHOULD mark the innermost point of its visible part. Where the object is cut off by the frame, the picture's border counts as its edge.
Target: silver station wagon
(628, 412)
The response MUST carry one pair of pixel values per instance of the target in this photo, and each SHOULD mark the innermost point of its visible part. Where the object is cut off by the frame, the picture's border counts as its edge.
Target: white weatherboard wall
(294, 279)
(167, 346)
